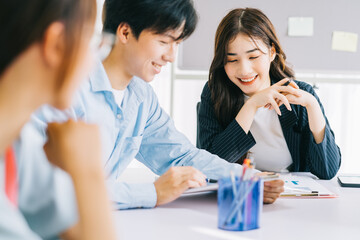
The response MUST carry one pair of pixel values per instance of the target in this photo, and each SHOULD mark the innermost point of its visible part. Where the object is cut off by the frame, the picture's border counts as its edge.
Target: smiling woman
(248, 64)
(259, 36)
(247, 106)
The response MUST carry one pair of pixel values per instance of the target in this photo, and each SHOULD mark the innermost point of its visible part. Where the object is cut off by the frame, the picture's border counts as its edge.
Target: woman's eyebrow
(249, 51)
(253, 50)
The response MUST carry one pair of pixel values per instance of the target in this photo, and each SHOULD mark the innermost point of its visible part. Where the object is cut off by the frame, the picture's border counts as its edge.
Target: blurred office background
(320, 39)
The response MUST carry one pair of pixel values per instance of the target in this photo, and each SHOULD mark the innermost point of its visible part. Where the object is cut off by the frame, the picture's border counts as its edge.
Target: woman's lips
(248, 81)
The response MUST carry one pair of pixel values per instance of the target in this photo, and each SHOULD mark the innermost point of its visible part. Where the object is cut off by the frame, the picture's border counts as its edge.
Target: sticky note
(301, 26)
(344, 41)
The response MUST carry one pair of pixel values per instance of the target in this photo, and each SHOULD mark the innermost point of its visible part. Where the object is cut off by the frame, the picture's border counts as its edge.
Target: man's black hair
(159, 16)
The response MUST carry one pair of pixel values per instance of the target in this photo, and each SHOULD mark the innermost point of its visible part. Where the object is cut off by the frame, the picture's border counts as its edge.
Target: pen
(300, 195)
(233, 184)
(245, 165)
(300, 190)
(288, 82)
(291, 83)
(248, 166)
(209, 180)
(235, 206)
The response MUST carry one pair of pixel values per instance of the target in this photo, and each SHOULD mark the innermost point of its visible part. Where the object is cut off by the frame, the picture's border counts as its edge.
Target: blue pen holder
(239, 204)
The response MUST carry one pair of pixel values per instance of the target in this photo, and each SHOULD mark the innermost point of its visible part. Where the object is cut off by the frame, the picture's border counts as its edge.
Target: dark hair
(24, 22)
(226, 96)
(159, 16)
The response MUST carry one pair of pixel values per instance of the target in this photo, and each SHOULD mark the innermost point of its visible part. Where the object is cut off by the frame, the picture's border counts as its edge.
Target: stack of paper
(208, 188)
(303, 186)
(296, 185)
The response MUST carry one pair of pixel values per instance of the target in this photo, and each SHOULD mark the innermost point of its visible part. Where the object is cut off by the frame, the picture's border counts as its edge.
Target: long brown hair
(24, 23)
(226, 96)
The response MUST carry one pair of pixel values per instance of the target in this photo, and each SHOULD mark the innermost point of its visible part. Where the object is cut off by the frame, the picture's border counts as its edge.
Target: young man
(118, 98)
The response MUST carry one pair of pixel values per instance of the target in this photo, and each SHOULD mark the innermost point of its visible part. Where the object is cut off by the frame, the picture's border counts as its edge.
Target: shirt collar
(99, 80)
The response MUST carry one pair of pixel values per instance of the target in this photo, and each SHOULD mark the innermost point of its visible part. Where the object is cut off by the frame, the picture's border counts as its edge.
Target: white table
(195, 217)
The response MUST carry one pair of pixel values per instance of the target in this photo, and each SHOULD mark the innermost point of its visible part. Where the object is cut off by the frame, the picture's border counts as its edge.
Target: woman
(247, 104)
(44, 54)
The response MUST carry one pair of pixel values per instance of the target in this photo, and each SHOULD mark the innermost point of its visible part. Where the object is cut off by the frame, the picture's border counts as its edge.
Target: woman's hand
(302, 98)
(274, 96)
(272, 190)
(74, 146)
(316, 118)
(270, 97)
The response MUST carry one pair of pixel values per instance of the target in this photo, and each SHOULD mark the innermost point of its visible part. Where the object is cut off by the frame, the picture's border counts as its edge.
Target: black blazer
(323, 160)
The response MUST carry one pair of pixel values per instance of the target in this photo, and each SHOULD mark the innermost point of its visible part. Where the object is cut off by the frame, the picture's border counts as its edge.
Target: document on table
(304, 186)
(297, 184)
(208, 188)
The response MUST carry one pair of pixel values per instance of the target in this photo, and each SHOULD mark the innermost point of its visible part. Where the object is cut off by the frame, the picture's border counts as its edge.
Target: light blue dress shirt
(46, 199)
(13, 226)
(140, 129)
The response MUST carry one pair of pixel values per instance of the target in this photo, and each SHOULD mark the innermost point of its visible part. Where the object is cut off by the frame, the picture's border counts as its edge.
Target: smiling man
(133, 125)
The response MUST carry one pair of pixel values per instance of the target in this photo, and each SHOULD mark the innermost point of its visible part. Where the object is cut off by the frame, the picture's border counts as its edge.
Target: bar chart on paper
(304, 186)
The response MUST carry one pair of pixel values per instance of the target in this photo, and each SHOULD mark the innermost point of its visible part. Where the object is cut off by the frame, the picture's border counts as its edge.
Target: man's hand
(175, 181)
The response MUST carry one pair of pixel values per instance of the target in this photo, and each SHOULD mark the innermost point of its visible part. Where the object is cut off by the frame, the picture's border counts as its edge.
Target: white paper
(302, 186)
(301, 26)
(208, 188)
(297, 184)
(344, 41)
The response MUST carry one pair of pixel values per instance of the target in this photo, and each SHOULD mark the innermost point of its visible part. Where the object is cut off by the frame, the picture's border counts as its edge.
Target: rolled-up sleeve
(124, 195)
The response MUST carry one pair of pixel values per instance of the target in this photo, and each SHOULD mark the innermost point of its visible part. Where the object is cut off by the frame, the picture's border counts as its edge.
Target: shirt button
(118, 116)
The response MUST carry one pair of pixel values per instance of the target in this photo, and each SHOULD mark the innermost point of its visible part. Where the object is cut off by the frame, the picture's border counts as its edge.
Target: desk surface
(195, 217)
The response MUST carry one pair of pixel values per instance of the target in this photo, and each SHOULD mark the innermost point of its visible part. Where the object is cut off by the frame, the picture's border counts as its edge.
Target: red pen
(248, 163)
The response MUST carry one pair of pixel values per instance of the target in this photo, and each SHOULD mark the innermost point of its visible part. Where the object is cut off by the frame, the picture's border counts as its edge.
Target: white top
(118, 95)
(271, 152)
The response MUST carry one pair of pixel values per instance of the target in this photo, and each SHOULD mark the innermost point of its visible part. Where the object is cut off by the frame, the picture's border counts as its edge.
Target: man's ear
(123, 32)
(53, 44)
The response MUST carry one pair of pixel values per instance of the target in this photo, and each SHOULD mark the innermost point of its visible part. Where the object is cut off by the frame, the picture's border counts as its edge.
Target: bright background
(179, 91)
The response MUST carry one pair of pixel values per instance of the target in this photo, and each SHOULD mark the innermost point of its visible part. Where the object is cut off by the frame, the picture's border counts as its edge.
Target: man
(133, 125)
